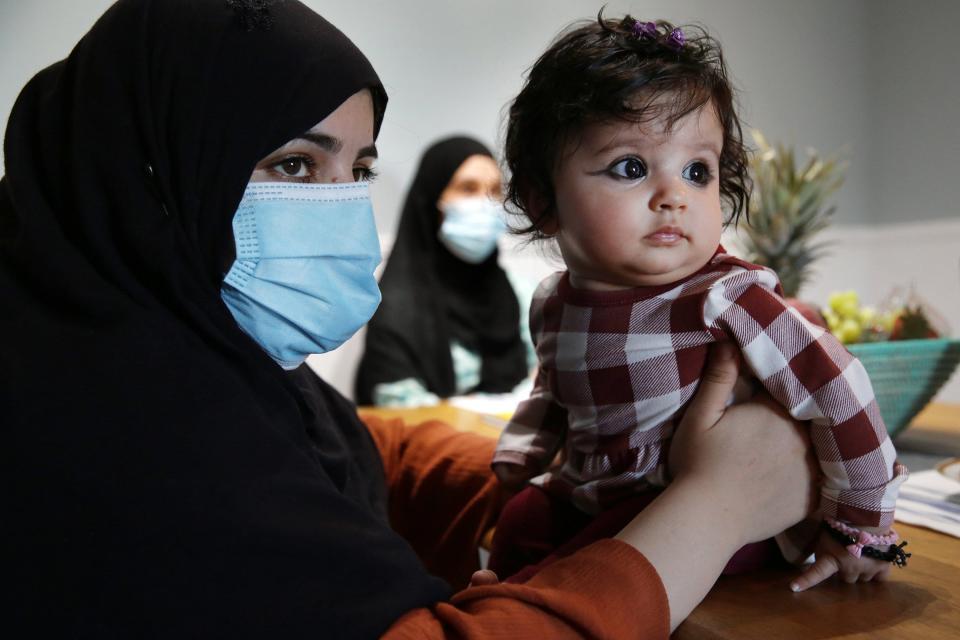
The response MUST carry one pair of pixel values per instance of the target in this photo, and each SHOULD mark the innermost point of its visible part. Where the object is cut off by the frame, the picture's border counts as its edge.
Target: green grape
(834, 300)
(845, 304)
(849, 331)
(888, 319)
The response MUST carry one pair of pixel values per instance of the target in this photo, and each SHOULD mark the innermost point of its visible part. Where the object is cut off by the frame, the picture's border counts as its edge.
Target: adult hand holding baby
(754, 452)
(740, 474)
(768, 496)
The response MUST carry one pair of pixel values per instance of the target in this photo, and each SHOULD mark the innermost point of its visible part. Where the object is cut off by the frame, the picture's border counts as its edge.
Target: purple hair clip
(648, 31)
(676, 39)
(643, 30)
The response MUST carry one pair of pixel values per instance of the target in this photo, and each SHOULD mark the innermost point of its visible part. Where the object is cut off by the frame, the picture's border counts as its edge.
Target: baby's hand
(512, 477)
(832, 557)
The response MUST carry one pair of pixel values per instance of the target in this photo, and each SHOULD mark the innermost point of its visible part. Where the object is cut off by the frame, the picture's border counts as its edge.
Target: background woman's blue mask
(303, 280)
(471, 228)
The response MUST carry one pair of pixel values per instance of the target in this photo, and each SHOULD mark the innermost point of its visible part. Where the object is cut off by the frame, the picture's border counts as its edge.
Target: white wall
(452, 66)
(914, 106)
(874, 76)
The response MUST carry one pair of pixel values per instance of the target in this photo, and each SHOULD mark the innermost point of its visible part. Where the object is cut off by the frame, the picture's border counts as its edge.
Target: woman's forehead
(348, 128)
(477, 167)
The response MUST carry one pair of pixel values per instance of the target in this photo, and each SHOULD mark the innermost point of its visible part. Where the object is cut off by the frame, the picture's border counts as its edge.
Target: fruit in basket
(849, 331)
(906, 368)
(911, 323)
(851, 323)
(845, 304)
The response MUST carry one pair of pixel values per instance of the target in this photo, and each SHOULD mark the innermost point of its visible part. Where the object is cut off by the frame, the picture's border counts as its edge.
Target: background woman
(449, 322)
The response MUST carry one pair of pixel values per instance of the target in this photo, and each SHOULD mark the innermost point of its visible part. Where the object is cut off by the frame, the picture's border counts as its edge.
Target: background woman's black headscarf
(431, 297)
(165, 477)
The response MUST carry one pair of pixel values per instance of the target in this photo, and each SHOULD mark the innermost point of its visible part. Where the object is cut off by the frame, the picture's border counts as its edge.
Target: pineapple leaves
(789, 209)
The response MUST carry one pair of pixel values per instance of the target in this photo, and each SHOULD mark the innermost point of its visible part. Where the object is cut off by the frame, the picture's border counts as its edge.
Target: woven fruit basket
(906, 374)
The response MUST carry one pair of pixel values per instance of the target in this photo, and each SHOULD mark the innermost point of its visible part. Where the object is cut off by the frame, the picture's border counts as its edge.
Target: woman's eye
(364, 174)
(629, 168)
(697, 172)
(469, 187)
(294, 167)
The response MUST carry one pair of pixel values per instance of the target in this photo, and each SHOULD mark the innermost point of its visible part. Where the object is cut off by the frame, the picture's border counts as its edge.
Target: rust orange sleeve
(442, 495)
(443, 498)
(607, 590)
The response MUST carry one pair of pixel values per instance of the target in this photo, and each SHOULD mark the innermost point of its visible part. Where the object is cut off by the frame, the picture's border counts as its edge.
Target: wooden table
(935, 430)
(920, 602)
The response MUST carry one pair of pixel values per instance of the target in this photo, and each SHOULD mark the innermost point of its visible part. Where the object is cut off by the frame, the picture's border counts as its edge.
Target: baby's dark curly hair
(617, 70)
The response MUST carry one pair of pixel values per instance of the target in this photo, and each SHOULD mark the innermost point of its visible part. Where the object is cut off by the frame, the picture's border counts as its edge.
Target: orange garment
(436, 474)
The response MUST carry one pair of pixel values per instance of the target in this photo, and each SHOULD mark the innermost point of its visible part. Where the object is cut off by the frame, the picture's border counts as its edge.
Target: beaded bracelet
(855, 547)
(860, 538)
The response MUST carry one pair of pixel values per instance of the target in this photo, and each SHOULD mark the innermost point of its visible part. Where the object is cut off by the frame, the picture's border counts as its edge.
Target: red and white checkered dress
(617, 369)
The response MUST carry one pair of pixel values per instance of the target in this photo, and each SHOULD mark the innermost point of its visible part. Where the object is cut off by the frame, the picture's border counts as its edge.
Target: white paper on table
(495, 404)
(930, 499)
(501, 405)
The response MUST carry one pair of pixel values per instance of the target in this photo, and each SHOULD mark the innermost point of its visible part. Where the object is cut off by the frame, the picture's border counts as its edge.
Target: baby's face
(638, 205)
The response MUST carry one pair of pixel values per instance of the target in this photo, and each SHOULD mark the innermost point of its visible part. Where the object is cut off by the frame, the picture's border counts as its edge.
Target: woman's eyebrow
(369, 151)
(334, 145)
(325, 142)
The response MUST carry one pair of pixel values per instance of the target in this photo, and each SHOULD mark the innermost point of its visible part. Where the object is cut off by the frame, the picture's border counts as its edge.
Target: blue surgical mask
(471, 228)
(303, 281)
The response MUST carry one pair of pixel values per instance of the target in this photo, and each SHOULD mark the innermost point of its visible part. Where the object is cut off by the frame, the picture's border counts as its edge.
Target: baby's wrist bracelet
(860, 542)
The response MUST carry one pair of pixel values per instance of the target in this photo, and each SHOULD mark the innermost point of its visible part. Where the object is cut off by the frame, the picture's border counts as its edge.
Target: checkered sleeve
(538, 426)
(535, 432)
(815, 378)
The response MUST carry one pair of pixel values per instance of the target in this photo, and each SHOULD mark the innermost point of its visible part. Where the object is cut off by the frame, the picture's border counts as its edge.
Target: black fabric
(164, 477)
(430, 297)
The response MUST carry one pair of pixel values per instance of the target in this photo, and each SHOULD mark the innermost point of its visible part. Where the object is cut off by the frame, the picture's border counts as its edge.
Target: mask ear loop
(154, 187)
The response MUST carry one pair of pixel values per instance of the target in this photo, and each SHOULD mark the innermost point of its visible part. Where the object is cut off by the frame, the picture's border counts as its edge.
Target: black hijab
(431, 297)
(166, 478)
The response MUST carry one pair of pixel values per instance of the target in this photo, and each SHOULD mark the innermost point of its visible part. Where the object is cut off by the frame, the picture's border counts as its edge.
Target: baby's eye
(293, 167)
(629, 168)
(697, 172)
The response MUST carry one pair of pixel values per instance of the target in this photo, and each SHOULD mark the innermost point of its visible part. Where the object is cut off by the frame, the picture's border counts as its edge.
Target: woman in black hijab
(154, 442)
(437, 294)
(164, 476)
